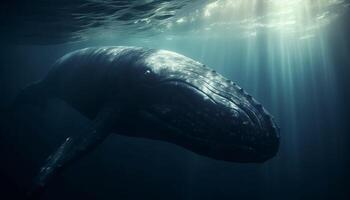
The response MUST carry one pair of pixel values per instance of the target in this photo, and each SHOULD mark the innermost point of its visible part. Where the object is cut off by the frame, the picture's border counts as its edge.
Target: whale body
(155, 94)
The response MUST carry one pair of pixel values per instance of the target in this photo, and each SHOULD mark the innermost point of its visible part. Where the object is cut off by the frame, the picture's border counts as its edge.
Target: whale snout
(251, 134)
(258, 137)
(240, 135)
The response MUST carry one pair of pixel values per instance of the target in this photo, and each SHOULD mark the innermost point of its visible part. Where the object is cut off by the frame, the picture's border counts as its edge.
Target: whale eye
(148, 75)
(147, 72)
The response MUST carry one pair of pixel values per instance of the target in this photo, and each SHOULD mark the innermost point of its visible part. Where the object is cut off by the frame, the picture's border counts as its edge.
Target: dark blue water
(293, 57)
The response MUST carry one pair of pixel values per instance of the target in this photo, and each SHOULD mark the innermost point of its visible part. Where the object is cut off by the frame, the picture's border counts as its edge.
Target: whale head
(205, 112)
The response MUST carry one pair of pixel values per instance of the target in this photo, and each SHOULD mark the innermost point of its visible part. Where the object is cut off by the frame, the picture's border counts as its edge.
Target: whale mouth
(206, 146)
(221, 137)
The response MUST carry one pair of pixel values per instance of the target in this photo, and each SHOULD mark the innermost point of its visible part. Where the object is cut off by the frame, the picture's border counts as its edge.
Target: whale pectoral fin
(75, 147)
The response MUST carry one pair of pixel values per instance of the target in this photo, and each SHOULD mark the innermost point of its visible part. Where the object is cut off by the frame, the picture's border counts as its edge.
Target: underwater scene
(175, 99)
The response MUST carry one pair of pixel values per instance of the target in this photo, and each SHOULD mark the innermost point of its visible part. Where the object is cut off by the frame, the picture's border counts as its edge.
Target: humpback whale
(155, 94)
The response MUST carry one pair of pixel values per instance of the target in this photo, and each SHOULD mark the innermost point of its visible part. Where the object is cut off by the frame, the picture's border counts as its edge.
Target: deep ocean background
(305, 86)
